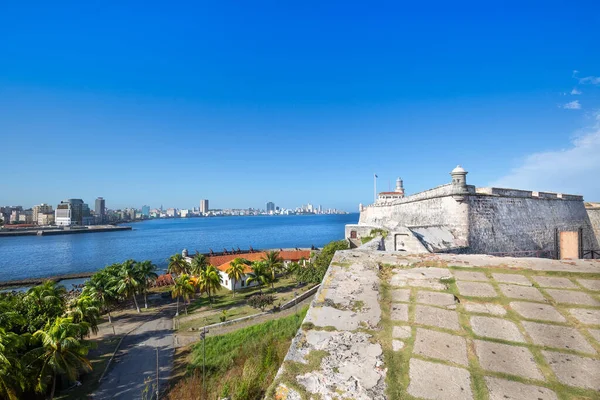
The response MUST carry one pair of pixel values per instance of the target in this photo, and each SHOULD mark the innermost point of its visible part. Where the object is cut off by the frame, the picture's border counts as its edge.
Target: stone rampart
(489, 220)
(594, 216)
(515, 223)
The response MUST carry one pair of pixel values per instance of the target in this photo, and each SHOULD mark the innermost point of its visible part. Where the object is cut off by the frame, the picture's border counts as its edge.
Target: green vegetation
(241, 364)
(315, 271)
(261, 301)
(43, 331)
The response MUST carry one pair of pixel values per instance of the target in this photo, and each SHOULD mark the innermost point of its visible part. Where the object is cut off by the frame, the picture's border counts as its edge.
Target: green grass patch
(240, 364)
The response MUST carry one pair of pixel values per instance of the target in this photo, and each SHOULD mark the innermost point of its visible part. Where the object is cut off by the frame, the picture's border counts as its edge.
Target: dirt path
(185, 338)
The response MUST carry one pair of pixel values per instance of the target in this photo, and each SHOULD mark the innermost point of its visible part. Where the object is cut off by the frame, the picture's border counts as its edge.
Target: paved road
(134, 367)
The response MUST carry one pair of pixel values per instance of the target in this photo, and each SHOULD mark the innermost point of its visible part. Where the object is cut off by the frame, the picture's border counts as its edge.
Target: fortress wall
(508, 223)
(594, 216)
(441, 210)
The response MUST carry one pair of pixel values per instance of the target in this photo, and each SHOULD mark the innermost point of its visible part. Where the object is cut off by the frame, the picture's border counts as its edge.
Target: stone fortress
(410, 312)
(461, 218)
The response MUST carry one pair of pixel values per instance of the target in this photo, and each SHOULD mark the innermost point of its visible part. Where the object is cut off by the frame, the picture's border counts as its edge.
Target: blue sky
(248, 102)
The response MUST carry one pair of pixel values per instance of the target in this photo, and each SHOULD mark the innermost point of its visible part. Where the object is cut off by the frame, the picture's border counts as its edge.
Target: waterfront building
(100, 209)
(45, 219)
(270, 207)
(184, 213)
(171, 212)
(63, 214)
(41, 209)
(26, 217)
(146, 211)
(14, 216)
(204, 206)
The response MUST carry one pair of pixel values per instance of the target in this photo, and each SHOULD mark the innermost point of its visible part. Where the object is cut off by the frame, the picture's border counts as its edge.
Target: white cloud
(572, 170)
(575, 72)
(594, 80)
(572, 105)
(575, 91)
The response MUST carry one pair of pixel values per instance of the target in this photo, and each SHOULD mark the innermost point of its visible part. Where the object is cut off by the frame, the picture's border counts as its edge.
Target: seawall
(47, 232)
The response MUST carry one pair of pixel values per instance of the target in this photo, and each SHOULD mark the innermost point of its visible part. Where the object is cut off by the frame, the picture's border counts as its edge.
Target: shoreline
(19, 283)
(58, 231)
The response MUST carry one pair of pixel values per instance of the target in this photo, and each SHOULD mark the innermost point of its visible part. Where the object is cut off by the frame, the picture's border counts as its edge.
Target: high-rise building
(146, 211)
(203, 206)
(100, 209)
(63, 214)
(72, 212)
(270, 207)
(41, 209)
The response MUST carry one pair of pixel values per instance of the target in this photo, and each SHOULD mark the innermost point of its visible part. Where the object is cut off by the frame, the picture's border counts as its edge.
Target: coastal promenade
(61, 231)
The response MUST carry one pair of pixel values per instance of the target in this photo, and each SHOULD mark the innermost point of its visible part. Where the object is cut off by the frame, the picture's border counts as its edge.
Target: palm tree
(47, 302)
(259, 274)
(102, 288)
(210, 281)
(60, 352)
(199, 264)
(85, 309)
(177, 264)
(273, 264)
(147, 275)
(183, 288)
(128, 282)
(235, 272)
(12, 381)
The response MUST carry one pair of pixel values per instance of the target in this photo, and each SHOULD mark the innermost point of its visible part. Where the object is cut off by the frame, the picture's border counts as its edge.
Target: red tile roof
(286, 255)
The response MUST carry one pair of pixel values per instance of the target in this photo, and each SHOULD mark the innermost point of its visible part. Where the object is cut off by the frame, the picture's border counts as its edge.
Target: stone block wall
(435, 207)
(594, 216)
(517, 223)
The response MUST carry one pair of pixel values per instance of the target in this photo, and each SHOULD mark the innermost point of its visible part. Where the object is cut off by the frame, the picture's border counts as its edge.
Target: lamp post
(203, 338)
(296, 303)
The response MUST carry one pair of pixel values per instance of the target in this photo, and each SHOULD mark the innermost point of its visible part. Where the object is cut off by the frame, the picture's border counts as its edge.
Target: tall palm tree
(273, 263)
(12, 381)
(147, 275)
(210, 281)
(258, 275)
(60, 353)
(85, 309)
(177, 264)
(183, 288)
(102, 288)
(129, 282)
(47, 302)
(235, 272)
(199, 264)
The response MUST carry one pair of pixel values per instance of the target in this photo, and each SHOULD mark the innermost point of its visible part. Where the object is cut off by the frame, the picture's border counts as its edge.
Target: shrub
(261, 301)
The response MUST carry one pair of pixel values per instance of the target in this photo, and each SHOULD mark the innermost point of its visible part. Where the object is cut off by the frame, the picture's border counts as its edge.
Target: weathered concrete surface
(513, 360)
(537, 311)
(476, 289)
(573, 370)
(380, 312)
(441, 345)
(501, 389)
(485, 308)
(437, 381)
(496, 328)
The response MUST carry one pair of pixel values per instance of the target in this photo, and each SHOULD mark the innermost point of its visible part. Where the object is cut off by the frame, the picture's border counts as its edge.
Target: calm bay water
(156, 240)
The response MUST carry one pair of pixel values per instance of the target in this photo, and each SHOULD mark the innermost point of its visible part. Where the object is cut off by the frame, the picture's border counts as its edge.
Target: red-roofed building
(288, 256)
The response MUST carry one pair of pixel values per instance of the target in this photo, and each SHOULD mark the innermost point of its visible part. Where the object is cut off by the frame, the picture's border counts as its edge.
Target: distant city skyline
(248, 103)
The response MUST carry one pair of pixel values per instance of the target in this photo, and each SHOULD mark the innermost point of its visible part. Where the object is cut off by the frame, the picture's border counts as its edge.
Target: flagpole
(374, 188)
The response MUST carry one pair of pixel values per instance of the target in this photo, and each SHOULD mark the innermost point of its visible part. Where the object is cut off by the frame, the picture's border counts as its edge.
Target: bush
(315, 272)
(261, 301)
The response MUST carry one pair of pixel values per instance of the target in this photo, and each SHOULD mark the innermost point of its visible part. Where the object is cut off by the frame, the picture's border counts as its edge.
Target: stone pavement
(389, 326)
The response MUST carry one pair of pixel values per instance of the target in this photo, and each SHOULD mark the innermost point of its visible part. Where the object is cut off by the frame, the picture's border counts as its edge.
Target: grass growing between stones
(240, 364)
(396, 362)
